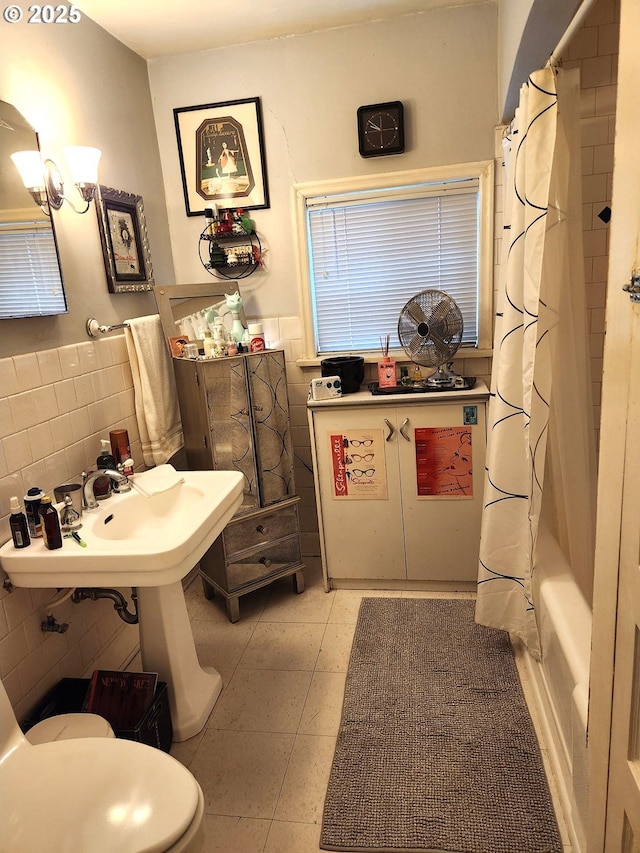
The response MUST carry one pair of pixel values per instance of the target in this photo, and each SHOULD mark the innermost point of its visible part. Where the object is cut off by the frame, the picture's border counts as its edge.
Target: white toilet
(93, 795)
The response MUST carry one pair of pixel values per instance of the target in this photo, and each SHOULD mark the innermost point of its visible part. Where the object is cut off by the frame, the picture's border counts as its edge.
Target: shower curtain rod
(575, 23)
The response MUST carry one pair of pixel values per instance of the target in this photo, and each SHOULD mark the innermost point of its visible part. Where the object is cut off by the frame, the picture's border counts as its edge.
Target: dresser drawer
(260, 530)
(266, 561)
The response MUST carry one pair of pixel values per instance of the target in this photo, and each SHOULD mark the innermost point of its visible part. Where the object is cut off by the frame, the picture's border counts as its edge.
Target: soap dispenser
(102, 487)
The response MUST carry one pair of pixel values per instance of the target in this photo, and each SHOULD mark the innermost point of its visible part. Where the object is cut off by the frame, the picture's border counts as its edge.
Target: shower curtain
(541, 447)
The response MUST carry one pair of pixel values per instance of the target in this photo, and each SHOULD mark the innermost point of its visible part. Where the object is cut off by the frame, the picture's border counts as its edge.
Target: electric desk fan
(430, 330)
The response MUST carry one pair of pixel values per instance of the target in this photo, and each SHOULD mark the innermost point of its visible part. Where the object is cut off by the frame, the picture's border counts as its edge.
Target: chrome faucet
(120, 480)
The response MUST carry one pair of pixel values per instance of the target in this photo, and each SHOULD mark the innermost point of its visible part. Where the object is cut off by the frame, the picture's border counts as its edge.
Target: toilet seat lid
(69, 727)
(94, 795)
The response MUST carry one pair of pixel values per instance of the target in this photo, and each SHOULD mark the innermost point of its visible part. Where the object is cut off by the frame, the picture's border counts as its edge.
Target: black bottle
(102, 486)
(50, 524)
(18, 525)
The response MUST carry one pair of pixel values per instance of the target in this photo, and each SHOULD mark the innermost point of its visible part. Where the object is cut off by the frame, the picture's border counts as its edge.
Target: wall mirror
(177, 301)
(30, 276)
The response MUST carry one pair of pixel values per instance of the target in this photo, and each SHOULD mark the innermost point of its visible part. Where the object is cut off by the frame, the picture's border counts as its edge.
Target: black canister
(350, 369)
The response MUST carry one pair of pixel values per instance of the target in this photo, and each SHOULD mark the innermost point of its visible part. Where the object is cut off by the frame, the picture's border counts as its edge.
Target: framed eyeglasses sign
(125, 244)
(358, 465)
(221, 155)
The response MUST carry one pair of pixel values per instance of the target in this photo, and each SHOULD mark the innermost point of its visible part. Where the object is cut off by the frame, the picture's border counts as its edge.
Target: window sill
(398, 356)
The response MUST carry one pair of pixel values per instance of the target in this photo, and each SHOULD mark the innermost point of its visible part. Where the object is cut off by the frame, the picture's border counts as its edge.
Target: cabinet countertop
(366, 398)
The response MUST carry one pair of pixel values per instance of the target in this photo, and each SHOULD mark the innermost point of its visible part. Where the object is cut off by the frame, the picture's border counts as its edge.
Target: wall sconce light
(43, 180)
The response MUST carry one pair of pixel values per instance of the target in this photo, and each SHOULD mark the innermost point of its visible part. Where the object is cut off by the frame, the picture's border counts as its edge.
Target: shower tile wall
(594, 50)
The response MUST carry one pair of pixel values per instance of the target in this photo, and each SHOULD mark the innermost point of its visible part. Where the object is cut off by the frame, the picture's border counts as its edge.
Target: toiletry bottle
(120, 449)
(32, 511)
(18, 525)
(219, 342)
(232, 346)
(256, 337)
(387, 373)
(405, 379)
(209, 345)
(209, 222)
(50, 524)
(102, 487)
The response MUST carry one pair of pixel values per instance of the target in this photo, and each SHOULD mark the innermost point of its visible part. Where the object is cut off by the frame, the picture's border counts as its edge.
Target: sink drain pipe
(119, 601)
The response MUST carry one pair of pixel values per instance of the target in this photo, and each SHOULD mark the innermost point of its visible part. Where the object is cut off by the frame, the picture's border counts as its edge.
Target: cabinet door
(193, 411)
(442, 474)
(230, 423)
(361, 532)
(270, 412)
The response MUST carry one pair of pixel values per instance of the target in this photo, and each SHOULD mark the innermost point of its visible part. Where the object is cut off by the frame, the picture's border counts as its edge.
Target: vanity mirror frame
(169, 298)
(20, 214)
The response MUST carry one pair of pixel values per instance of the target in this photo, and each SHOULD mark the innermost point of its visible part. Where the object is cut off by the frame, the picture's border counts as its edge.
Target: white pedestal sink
(167, 647)
(150, 543)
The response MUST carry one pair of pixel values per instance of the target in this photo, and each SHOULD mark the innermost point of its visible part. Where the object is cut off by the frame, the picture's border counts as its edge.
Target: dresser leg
(233, 608)
(207, 590)
(298, 581)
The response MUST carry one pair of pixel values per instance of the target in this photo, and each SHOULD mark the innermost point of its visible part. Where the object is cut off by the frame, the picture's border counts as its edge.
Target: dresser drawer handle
(265, 561)
(262, 529)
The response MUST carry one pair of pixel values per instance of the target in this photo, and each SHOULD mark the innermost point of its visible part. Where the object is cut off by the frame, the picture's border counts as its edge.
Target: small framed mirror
(30, 276)
(179, 301)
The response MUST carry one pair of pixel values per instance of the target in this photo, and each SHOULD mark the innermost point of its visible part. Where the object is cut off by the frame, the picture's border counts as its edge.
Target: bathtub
(560, 680)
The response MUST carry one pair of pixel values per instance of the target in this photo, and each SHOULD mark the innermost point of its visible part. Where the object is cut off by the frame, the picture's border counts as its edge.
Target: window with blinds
(30, 283)
(369, 250)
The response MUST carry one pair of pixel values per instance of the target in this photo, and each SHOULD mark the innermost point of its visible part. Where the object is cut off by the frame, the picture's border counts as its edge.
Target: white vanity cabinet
(399, 482)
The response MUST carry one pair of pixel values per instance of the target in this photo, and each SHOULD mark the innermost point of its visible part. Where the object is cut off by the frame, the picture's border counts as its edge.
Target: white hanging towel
(154, 385)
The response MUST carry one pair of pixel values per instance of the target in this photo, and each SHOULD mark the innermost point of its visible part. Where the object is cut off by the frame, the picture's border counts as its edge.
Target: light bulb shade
(29, 165)
(83, 164)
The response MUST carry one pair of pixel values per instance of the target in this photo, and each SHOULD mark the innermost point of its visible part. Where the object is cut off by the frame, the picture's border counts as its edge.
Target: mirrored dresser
(235, 416)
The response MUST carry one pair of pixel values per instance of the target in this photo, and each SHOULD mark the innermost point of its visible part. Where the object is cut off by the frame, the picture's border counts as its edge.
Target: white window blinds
(30, 283)
(370, 252)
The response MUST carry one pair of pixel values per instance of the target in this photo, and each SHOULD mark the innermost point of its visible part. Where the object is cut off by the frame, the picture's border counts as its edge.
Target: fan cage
(430, 328)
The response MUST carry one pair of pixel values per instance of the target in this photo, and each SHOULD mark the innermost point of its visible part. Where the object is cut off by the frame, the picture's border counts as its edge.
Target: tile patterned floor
(264, 757)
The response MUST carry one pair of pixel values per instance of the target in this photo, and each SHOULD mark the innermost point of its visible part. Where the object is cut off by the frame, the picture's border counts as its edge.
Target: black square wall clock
(381, 129)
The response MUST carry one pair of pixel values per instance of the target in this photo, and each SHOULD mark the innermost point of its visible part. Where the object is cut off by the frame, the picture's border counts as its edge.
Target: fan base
(444, 377)
(439, 381)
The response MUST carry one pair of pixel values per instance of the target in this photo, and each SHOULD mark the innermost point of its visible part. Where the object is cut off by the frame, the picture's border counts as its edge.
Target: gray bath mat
(436, 750)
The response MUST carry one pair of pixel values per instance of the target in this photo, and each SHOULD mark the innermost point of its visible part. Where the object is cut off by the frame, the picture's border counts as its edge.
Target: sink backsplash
(56, 406)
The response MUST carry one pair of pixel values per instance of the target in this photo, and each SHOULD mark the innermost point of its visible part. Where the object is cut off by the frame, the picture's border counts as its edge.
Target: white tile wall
(56, 406)
(594, 50)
